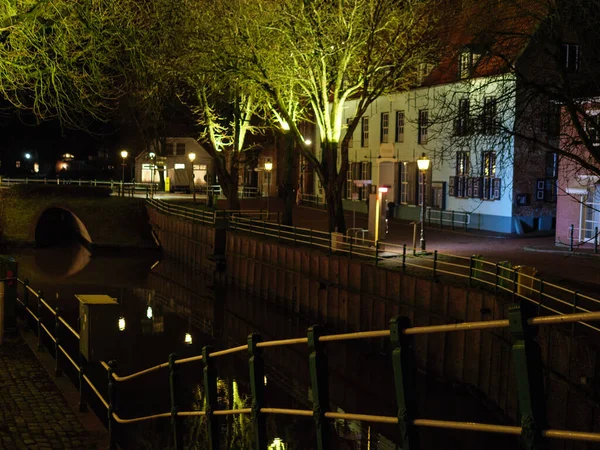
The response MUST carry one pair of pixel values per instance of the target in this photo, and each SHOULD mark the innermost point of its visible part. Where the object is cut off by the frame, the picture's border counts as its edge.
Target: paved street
(33, 413)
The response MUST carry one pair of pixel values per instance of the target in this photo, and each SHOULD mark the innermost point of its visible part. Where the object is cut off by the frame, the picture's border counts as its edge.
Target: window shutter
(496, 189)
(452, 187)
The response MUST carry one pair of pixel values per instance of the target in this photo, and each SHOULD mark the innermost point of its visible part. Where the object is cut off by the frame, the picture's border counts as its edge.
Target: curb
(562, 252)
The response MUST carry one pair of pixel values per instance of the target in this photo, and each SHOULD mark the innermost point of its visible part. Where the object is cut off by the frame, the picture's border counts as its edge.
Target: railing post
(452, 218)
(404, 257)
(571, 228)
(210, 391)
(435, 257)
(377, 253)
(319, 380)
(82, 369)
(515, 285)
(530, 378)
(403, 362)
(257, 389)
(173, 388)
(596, 240)
(575, 301)
(112, 404)
(57, 371)
(40, 307)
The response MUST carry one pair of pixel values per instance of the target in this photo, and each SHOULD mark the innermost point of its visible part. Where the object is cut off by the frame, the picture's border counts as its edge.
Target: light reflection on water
(167, 305)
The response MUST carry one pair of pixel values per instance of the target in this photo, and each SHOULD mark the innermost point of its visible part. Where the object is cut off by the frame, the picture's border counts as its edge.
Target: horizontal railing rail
(520, 323)
(443, 217)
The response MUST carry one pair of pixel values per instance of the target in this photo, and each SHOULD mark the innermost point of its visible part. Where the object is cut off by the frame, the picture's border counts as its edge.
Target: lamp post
(423, 164)
(152, 156)
(268, 168)
(124, 154)
(192, 157)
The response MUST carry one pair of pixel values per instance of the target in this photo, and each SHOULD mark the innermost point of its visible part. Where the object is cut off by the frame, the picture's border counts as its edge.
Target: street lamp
(192, 157)
(423, 164)
(152, 156)
(268, 168)
(124, 156)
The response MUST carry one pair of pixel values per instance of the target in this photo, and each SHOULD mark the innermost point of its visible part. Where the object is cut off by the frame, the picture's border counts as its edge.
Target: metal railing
(474, 270)
(447, 217)
(528, 367)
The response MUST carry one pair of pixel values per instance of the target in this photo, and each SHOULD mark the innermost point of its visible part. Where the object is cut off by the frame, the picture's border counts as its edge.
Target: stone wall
(352, 295)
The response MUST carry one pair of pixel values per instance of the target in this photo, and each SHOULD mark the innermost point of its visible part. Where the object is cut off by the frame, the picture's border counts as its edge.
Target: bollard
(175, 420)
(210, 391)
(530, 378)
(112, 406)
(257, 389)
(571, 228)
(82, 369)
(57, 371)
(403, 362)
(319, 380)
(39, 322)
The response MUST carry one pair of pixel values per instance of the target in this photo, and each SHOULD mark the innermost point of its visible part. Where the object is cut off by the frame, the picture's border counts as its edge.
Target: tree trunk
(288, 190)
(230, 187)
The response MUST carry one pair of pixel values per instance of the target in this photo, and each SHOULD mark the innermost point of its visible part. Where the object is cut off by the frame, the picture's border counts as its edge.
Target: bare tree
(327, 52)
(68, 59)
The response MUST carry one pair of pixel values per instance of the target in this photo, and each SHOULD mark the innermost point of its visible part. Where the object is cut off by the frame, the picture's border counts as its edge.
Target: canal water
(166, 307)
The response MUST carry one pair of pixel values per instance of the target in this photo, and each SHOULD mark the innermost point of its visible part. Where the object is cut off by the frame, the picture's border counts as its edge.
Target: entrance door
(386, 178)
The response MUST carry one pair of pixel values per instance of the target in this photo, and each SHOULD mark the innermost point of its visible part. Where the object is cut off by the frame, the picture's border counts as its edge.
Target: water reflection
(172, 309)
(74, 257)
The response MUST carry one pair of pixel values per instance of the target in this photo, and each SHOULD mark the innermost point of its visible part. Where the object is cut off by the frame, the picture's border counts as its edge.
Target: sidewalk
(33, 412)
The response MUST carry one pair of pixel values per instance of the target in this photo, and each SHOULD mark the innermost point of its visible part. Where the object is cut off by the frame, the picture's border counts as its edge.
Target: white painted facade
(441, 146)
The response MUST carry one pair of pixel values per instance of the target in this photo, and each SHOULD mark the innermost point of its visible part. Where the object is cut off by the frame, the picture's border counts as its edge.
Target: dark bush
(66, 190)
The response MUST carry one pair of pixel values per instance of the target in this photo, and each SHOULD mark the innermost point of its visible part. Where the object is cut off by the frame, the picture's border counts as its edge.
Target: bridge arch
(58, 224)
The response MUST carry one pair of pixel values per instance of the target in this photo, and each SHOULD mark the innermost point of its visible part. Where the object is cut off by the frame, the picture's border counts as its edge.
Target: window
(466, 63)
(461, 126)
(364, 137)
(399, 126)
(551, 120)
(170, 149)
(423, 124)
(488, 172)
(408, 183)
(463, 170)
(424, 71)
(180, 149)
(365, 168)
(385, 127)
(489, 117)
(592, 128)
(351, 140)
(17, 164)
(353, 174)
(569, 57)
(551, 165)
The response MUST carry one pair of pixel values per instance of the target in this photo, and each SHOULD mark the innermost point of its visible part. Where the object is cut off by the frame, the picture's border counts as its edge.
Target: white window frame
(385, 127)
(364, 141)
(423, 125)
(400, 120)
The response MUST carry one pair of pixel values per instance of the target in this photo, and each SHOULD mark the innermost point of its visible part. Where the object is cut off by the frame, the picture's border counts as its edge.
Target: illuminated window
(467, 62)
(488, 172)
(36, 167)
(17, 164)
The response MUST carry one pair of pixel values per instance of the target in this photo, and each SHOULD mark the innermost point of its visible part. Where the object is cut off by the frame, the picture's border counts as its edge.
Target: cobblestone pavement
(33, 412)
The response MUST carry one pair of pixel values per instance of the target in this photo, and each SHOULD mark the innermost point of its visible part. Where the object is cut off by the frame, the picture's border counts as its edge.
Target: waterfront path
(33, 412)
